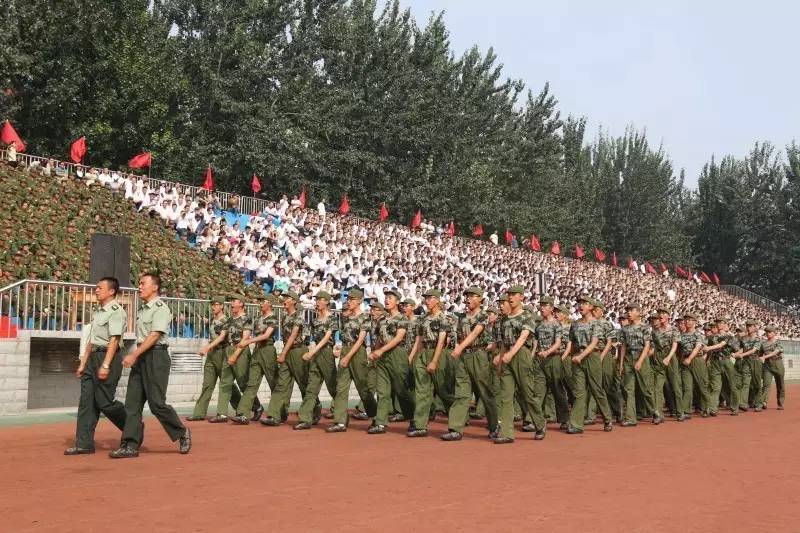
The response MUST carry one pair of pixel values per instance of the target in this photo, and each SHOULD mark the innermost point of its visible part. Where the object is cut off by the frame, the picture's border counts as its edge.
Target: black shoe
(627, 424)
(195, 418)
(494, 434)
(704, 414)
(712, 413)
(563, 426)
(302, 425)
(588, 422)
(336, 428)
(361, 415)
(241, 420)
(451, 436)
(257, 414)
(413, 433)
(572, 430)
(78, 451)
(540, 434)
(607, 427)
(219, 419)
(503, 440)
(269, 421)
(529, 428)
(658, 420)
(185, 443)
(396, 418)
(124, 452)
(377, 429)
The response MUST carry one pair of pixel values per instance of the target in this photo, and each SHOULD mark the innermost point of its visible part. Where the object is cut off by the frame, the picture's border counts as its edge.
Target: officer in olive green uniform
(430, 360)
(100, 368)
(263, 361)
(635, 367)
(291, 367)
(147, 382)
(391, 359)
(236, 365)
(721, 368)
(472, 369)
(519, 373)
(587, 370)
(772, 358)
(549, 342)
(664, 362)
(353, 364)
(691, 345)
(215, 359)
(322, 363)
(750, 348)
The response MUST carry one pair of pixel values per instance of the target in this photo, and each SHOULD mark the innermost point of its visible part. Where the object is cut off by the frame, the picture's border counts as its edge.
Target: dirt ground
(716, 474)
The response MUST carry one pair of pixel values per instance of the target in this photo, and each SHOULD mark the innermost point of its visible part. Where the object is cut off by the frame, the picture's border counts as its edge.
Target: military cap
(586, 299)
(271, 299)
(355, 294)
(494, 310)
(477, 291)
(751, 322)
(599, 304)
(515, 289)
(545, 300)
(689, 316)
(503, 298)
(239, 297)
(663, 308)
(653, 316)
(679, 319)
(633, 305)
(768, 329)
(292, 295)
(377, 304)
(563, 308)
(218, 300)
(433, 292)
(722, 320)
(393, 292)
(409, 301)
(323, 295)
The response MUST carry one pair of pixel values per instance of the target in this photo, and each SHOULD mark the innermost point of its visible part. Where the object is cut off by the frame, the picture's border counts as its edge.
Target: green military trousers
(670, 376)
(756, 371)
(612, 386)
(321, 369)
(641, 380)
(212, 371)
(391, 376)
(525, 377)
(441, 382)
(473, 373)
(719, 370)
(695, 385)
(97, 396)
(239, 373)
(357, 372)
(773, 368)
(263, 364)
(293, 370)
(554, 378)
(147, 382)
(588, 379)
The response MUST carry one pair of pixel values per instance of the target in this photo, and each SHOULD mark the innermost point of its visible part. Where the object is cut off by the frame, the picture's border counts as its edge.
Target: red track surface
(717, 474)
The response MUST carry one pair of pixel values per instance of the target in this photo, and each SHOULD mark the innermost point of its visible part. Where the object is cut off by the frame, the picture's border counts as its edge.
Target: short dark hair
(113, 283)
(155, 278)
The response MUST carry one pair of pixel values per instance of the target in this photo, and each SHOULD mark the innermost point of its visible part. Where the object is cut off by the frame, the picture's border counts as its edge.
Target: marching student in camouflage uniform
(214, 353)
(518, 371)
(750, 347)
(473, 371)
(237, 364)
(607, 341)
(692, 367)
(391, 359)
(492, 315)
(772, 358)
(635, 367)
(565, 354)
(263, 361)
(430, 361)
(407, 308)
(549, 343)
(291, 367)
(353, 364)
(721, 368)
(665, 363)
(587, 370)
(322, 363)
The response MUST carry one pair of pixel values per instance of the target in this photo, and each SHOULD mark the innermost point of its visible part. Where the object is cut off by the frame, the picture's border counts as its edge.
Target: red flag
(477, 231)
(255, 184)
(614, 259)
(556, 248)
(663, 268)
(417, 220)
(208, 183)
(599, 256)
(303, 198)
(715, 278)
(630, 263)
(9, 135)
(451, 229)
(384, 213)
(579, 253)
(144, 159)
(536, 246)
(704, 277)
(649, 267)
(680, 271)
(509, 236)
(78, 150)
(344, 208)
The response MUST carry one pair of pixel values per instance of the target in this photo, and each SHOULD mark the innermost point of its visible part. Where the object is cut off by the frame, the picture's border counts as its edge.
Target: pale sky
(703, 77)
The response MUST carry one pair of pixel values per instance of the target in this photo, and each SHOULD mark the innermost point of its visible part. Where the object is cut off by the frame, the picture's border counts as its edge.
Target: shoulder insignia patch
(159, 304)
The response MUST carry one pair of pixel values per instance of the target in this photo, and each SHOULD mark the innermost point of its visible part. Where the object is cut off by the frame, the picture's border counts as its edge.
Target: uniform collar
(108, 306)
(152, 302)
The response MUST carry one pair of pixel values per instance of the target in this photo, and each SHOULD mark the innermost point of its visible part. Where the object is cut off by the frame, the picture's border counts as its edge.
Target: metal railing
(756, 299)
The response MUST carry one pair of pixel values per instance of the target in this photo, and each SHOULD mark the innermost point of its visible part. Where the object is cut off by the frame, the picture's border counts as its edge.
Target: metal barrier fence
(756, 299)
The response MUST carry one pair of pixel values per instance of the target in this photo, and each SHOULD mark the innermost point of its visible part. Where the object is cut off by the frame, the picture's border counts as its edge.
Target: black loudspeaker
(541, 283)
(110, 256)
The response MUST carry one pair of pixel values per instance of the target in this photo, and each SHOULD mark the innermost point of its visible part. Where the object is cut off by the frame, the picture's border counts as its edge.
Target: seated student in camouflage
(430, 361)
(549, 345)
(635, 367)
(214, 352)
(263, 360)
(353, 363)
(237, 362)
(322, 363)
(772, 358)
(750, 346)
(721, 369)
(473, 371)
(693, 367)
